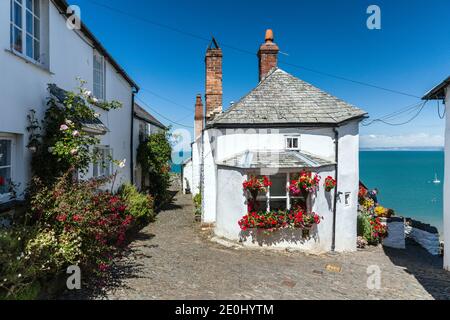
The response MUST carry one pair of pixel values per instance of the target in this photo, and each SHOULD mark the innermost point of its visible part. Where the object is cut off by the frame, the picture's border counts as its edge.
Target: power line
(398, 124)
(162, 116)
(199, 37)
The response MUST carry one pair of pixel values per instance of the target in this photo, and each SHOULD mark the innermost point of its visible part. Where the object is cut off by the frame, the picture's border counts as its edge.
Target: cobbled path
(174, 258)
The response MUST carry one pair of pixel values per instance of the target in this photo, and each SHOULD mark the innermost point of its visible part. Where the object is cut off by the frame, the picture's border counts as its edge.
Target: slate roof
(281, 98)
(275, 159)
(141, 113)
(94, 126)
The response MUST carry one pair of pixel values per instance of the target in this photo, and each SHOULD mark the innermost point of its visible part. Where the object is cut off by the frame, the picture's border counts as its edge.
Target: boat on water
(436, 180)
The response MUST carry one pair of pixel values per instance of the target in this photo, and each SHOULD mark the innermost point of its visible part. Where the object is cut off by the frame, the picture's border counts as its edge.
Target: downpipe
(336, 194)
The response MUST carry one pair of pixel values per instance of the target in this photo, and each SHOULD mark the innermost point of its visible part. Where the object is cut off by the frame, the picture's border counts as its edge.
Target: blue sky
(409, 54)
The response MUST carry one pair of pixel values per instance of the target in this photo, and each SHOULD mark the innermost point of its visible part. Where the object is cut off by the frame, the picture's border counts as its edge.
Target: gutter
(336, 193)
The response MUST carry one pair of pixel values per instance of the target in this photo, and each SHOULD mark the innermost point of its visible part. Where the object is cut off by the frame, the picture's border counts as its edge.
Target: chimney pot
(268, 55)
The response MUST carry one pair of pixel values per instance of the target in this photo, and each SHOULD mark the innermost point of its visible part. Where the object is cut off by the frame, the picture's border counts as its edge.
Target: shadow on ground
(426, 268)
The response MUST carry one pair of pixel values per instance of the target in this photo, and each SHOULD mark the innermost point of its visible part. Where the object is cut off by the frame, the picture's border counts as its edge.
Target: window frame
(287, 138)
(288, 197)
(5, 197)
(36, 37)
(101, 86)
(98, 165)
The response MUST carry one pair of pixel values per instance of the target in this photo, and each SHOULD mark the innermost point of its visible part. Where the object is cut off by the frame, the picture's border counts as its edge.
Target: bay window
(278, 196)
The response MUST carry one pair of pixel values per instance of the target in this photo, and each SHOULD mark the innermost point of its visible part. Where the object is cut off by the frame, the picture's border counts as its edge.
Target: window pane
(278, 187)
(277, 204)
(37, 10)
(5, 153)
(37, 28)
(295, 143)
(29, 4)
(29, 22)
(5, 179)
(17, 14)
(17, 41)
(29, 46)
(37, 51)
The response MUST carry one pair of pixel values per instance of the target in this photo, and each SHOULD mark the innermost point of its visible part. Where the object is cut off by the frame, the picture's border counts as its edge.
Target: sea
(404, 180)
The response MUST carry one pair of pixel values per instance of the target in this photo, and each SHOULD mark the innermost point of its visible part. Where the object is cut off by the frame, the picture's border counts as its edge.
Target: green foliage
(363, 226)
(60, 142)
(154, 155)
(139, 205)
(198, 204)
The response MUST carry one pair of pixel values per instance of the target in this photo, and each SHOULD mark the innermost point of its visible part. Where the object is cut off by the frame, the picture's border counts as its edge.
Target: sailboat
(436, 180)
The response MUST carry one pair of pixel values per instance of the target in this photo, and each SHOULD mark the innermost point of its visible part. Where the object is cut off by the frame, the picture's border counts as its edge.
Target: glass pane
(295, 143)
(261, 206)
(37, 10)
(5, 153)
(29, 46)
(18, 14)
(30, 4)
(29, 22)
(37, 51)
(278, 187)
(37, 28)
(17, 45)
(277, 205)
(5, 179)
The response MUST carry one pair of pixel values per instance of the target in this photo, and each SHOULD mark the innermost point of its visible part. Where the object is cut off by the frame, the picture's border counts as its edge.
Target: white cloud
(401, 141)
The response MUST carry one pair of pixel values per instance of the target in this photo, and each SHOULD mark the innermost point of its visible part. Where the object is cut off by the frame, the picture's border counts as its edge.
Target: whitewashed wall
(447, 186)
(221, 144)
(187, 176)
(23, 86)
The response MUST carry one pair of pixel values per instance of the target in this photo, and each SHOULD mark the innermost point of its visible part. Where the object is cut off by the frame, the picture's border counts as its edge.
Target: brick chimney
(213, 95)
(198, 124)
(268, 55)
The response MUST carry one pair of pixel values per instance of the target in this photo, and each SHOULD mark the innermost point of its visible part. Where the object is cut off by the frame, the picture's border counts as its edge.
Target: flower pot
(304, 193)
(328, 189)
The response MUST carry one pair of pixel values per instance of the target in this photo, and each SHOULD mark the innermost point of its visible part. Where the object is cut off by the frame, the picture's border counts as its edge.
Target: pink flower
(63, 127)
(76, 133)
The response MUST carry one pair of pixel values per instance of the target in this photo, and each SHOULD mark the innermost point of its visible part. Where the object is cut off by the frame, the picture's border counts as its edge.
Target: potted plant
(305, 221)
(329, 184)
(306, 183)
(254, 186)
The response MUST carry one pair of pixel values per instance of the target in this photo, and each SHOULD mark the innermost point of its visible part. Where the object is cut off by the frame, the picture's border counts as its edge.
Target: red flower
(77, 218)
(2, 181)
(61, 217)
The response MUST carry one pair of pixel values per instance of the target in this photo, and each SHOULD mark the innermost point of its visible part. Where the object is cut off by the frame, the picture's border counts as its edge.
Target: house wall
(226, 207)
(196, 167)
(187, 176)
(23, 86)
(447, 185)
(231, 207)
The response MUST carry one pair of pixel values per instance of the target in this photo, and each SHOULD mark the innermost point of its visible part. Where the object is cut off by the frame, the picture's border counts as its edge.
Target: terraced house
(280, 128)
(38, 49)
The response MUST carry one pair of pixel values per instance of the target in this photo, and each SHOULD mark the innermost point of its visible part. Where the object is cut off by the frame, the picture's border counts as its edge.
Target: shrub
(198, 204)
(139, 205)
(154, 155)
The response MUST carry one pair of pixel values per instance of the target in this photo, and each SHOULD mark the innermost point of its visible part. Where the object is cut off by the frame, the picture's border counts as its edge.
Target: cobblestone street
(174, 259)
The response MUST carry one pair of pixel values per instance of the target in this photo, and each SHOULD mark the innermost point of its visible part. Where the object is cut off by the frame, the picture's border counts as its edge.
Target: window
(347, 198)
(102, 166)
(5, 166)
(278, 196)
(99, 76)
(292, 143)
(25, 28)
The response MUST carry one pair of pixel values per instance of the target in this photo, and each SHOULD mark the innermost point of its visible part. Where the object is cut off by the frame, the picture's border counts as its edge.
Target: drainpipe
(133, 93)
(336, 158)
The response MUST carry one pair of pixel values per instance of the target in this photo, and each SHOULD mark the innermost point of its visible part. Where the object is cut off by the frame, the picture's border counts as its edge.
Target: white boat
(436, 180)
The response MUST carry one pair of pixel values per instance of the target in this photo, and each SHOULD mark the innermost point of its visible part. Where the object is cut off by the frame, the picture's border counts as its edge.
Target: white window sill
(29, 61)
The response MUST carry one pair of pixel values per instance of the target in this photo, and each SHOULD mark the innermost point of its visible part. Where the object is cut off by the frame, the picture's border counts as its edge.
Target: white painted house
(442, 92)
(37, 49)
(280, 127)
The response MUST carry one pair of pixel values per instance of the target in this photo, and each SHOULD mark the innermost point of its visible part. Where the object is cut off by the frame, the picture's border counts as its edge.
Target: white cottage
(282, 126)
(442, 92)
(36, 49)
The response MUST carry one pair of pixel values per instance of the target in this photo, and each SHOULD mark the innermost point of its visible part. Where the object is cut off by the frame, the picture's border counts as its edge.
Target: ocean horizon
(404, 178)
